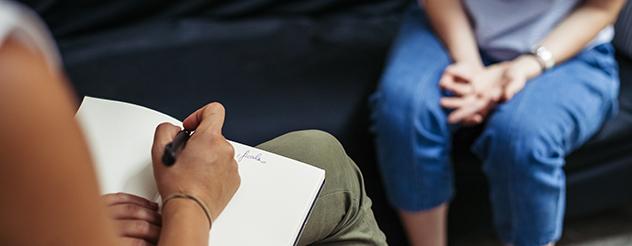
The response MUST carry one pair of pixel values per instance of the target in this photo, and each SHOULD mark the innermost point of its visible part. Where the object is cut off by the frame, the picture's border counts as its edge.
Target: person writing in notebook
(48, 189)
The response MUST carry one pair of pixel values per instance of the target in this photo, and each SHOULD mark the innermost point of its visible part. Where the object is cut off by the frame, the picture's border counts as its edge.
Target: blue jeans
(523, 144)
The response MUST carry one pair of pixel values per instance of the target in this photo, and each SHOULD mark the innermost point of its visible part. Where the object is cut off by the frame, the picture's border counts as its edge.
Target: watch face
(545, 57)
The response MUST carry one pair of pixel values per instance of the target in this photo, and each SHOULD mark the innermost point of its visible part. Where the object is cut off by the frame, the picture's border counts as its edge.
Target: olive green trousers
(342, 214)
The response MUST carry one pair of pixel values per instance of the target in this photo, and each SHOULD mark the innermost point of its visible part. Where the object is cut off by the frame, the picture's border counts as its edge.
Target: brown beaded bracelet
(195, 199)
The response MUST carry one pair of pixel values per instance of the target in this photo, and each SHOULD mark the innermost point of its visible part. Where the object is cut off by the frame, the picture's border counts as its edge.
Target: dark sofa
(280, 66)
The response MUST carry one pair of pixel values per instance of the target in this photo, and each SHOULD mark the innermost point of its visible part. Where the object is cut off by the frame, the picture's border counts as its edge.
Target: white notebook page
(269, 208)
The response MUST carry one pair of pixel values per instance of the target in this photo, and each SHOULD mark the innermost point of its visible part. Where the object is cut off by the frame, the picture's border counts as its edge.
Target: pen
(175, 147)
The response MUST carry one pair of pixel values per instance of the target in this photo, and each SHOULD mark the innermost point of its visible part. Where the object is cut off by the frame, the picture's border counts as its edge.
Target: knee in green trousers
(342, 214)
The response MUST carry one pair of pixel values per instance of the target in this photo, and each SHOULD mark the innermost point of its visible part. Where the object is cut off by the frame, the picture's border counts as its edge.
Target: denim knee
(413, 139)
(527, 143)
(523, 159)
(411, 131)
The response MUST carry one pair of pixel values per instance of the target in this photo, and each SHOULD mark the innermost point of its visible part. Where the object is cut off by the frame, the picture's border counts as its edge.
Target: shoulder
(10, 16)
(17, 59)
(23, 25)
(27, 65)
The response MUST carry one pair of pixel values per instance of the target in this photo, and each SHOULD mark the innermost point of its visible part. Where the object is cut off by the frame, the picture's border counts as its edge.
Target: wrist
(194, 191)
(185, 209)
(528, 64)
(474, 63)
(544, 57)
(183, 223)
(470, 58)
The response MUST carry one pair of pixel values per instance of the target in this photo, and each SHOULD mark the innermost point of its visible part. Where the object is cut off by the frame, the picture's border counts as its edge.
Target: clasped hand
(476, 90)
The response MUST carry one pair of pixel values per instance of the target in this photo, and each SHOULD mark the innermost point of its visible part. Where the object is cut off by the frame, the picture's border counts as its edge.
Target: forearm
(184, 223)
(450, 22)
(50, 192)
(580, 27)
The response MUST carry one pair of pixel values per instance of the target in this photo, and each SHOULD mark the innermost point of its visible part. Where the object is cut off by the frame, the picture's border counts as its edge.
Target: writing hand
(206, 167)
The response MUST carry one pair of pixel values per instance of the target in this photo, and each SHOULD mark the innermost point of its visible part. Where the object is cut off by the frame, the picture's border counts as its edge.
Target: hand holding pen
(203, 163)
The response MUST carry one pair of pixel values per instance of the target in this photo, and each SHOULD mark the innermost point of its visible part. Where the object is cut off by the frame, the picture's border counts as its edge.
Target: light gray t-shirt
(505, 29)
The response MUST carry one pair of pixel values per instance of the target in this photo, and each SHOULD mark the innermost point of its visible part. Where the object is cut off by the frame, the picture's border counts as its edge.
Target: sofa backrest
(623, 36)
(69, 19)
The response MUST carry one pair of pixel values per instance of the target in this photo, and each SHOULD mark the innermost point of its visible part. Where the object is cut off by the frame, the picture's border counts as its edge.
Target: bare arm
(580, 27)
(451, 23)
(565, 41)
(185, 224)
(49, 190)
(206, 168)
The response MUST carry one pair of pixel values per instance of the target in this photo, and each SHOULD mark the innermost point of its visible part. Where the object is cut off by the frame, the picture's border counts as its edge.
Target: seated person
(539, 74)
(48, 187)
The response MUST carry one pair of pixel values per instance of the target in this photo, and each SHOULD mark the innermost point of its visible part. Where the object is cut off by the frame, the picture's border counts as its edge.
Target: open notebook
(270, 207)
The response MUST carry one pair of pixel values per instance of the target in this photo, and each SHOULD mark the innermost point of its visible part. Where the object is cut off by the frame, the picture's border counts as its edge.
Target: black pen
(175, 147)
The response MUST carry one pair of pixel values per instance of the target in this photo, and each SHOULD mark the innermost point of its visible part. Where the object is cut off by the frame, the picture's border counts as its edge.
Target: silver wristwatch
(544, 57)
